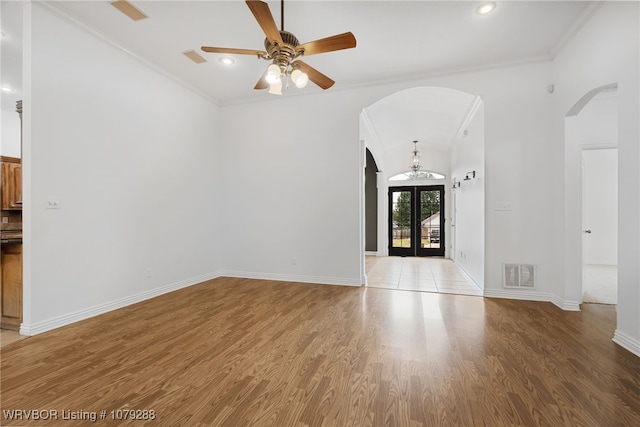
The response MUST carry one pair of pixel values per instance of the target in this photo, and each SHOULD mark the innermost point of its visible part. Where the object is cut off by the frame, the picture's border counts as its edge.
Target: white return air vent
(521, 276)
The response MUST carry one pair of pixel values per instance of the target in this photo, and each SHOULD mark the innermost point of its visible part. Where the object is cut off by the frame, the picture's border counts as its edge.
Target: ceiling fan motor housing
(285, 53)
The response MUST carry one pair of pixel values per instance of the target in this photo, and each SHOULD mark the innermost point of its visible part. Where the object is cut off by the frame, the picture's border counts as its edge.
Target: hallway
(425, 274)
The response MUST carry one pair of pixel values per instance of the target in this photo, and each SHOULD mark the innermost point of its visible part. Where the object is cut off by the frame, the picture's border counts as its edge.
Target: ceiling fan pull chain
(282, 15)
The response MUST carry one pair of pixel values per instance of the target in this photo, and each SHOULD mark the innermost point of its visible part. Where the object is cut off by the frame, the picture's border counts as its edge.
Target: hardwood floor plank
(240, 352)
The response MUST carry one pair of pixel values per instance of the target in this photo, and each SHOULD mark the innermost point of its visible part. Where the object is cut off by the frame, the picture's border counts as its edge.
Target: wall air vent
(521, 276)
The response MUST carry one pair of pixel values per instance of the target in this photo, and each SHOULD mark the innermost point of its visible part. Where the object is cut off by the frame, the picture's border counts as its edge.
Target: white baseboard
(532, 296)
(371, 253)
(321, 280)
(468, 276)
(67, 319)
(627, 342)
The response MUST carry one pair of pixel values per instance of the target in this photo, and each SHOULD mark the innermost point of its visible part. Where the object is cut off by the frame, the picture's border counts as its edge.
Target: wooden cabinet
(11, 286)
(11, 184)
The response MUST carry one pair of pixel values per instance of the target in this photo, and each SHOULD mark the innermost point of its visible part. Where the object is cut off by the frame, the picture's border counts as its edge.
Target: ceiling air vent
(522, 276)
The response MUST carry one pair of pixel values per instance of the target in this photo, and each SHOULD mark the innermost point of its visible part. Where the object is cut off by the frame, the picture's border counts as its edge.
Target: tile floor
(432, 274)
(600, 284)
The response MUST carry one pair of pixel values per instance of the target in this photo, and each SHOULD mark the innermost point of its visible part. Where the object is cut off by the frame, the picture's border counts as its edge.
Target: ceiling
(397, 40)
(430, 115)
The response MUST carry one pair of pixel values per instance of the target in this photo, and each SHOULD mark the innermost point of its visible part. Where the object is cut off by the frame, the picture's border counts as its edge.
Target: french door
(416, 221)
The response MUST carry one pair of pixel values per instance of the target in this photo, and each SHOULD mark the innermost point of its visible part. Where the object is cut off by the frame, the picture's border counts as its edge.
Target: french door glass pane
(401, 222)
(430, 218)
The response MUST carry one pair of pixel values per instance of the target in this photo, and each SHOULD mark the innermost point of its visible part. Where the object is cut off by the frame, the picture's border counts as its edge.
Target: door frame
(416, 248)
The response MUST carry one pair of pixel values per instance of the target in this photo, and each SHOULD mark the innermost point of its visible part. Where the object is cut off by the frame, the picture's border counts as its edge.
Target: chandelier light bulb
(275, 88)
(273, 74)
(300, 79)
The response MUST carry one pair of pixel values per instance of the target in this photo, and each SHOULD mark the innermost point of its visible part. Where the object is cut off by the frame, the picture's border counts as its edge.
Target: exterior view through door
(416, 221)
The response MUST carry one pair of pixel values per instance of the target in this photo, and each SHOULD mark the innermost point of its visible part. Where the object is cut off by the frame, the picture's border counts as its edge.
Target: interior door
(600, 226)
(416, 221)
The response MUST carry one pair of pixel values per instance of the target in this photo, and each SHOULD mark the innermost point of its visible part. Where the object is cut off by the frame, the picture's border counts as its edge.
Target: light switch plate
(53, 203)
(504, 206)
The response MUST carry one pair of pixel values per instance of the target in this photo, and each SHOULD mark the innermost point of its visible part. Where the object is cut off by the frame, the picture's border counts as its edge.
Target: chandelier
(415, 161)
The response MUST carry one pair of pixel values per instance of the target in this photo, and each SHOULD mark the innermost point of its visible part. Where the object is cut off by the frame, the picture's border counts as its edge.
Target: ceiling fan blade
(262, 83)
(264, 17)
(314, 75)
(329, 44)
(212, 49)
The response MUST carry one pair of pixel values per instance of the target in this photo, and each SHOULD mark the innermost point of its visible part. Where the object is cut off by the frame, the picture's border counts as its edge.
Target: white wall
(10, 141)
(131, 158)
(296, 191)
(293, 168)
(467, 156)
(605, 51)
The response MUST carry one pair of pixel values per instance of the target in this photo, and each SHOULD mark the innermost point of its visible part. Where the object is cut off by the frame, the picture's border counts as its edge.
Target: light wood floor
(240, 352)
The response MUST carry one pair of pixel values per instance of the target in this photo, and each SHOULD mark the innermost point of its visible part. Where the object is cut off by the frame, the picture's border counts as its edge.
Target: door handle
(586, 231)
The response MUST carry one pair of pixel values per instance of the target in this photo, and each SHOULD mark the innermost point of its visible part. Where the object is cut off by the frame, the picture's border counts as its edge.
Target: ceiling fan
(282, 49)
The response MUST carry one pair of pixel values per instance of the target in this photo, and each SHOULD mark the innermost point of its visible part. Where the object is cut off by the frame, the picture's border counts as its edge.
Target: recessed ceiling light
(226, 60)
(7, 89)
(486, 8)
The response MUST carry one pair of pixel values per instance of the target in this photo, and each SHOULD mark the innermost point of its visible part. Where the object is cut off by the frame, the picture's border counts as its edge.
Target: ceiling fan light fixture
(282, 49)
(275, 88)
(300, 79)
(273, 74)
(226, 60)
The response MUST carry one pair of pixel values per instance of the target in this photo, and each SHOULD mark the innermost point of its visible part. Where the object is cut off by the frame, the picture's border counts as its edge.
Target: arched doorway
(591, 144)
(449, 127)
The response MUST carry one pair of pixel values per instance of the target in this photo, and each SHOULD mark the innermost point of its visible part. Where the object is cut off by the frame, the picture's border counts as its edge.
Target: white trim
(362, 208)
(468, 276)
(319, 280)
(477, 102)
(533, 296)
(626, 342)
(370, 253)
(76, 316)
(586, 98)
(577, 25)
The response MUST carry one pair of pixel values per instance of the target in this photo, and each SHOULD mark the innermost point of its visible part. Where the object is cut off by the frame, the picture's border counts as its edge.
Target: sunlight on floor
(418, 274)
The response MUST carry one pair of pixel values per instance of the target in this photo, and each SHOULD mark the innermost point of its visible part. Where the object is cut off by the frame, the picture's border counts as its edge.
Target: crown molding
(577, 25)
(52, 7)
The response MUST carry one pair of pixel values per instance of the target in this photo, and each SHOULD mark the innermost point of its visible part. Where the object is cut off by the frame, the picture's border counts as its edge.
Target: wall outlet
(147, 273)
(5, 219)
(294, 261)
